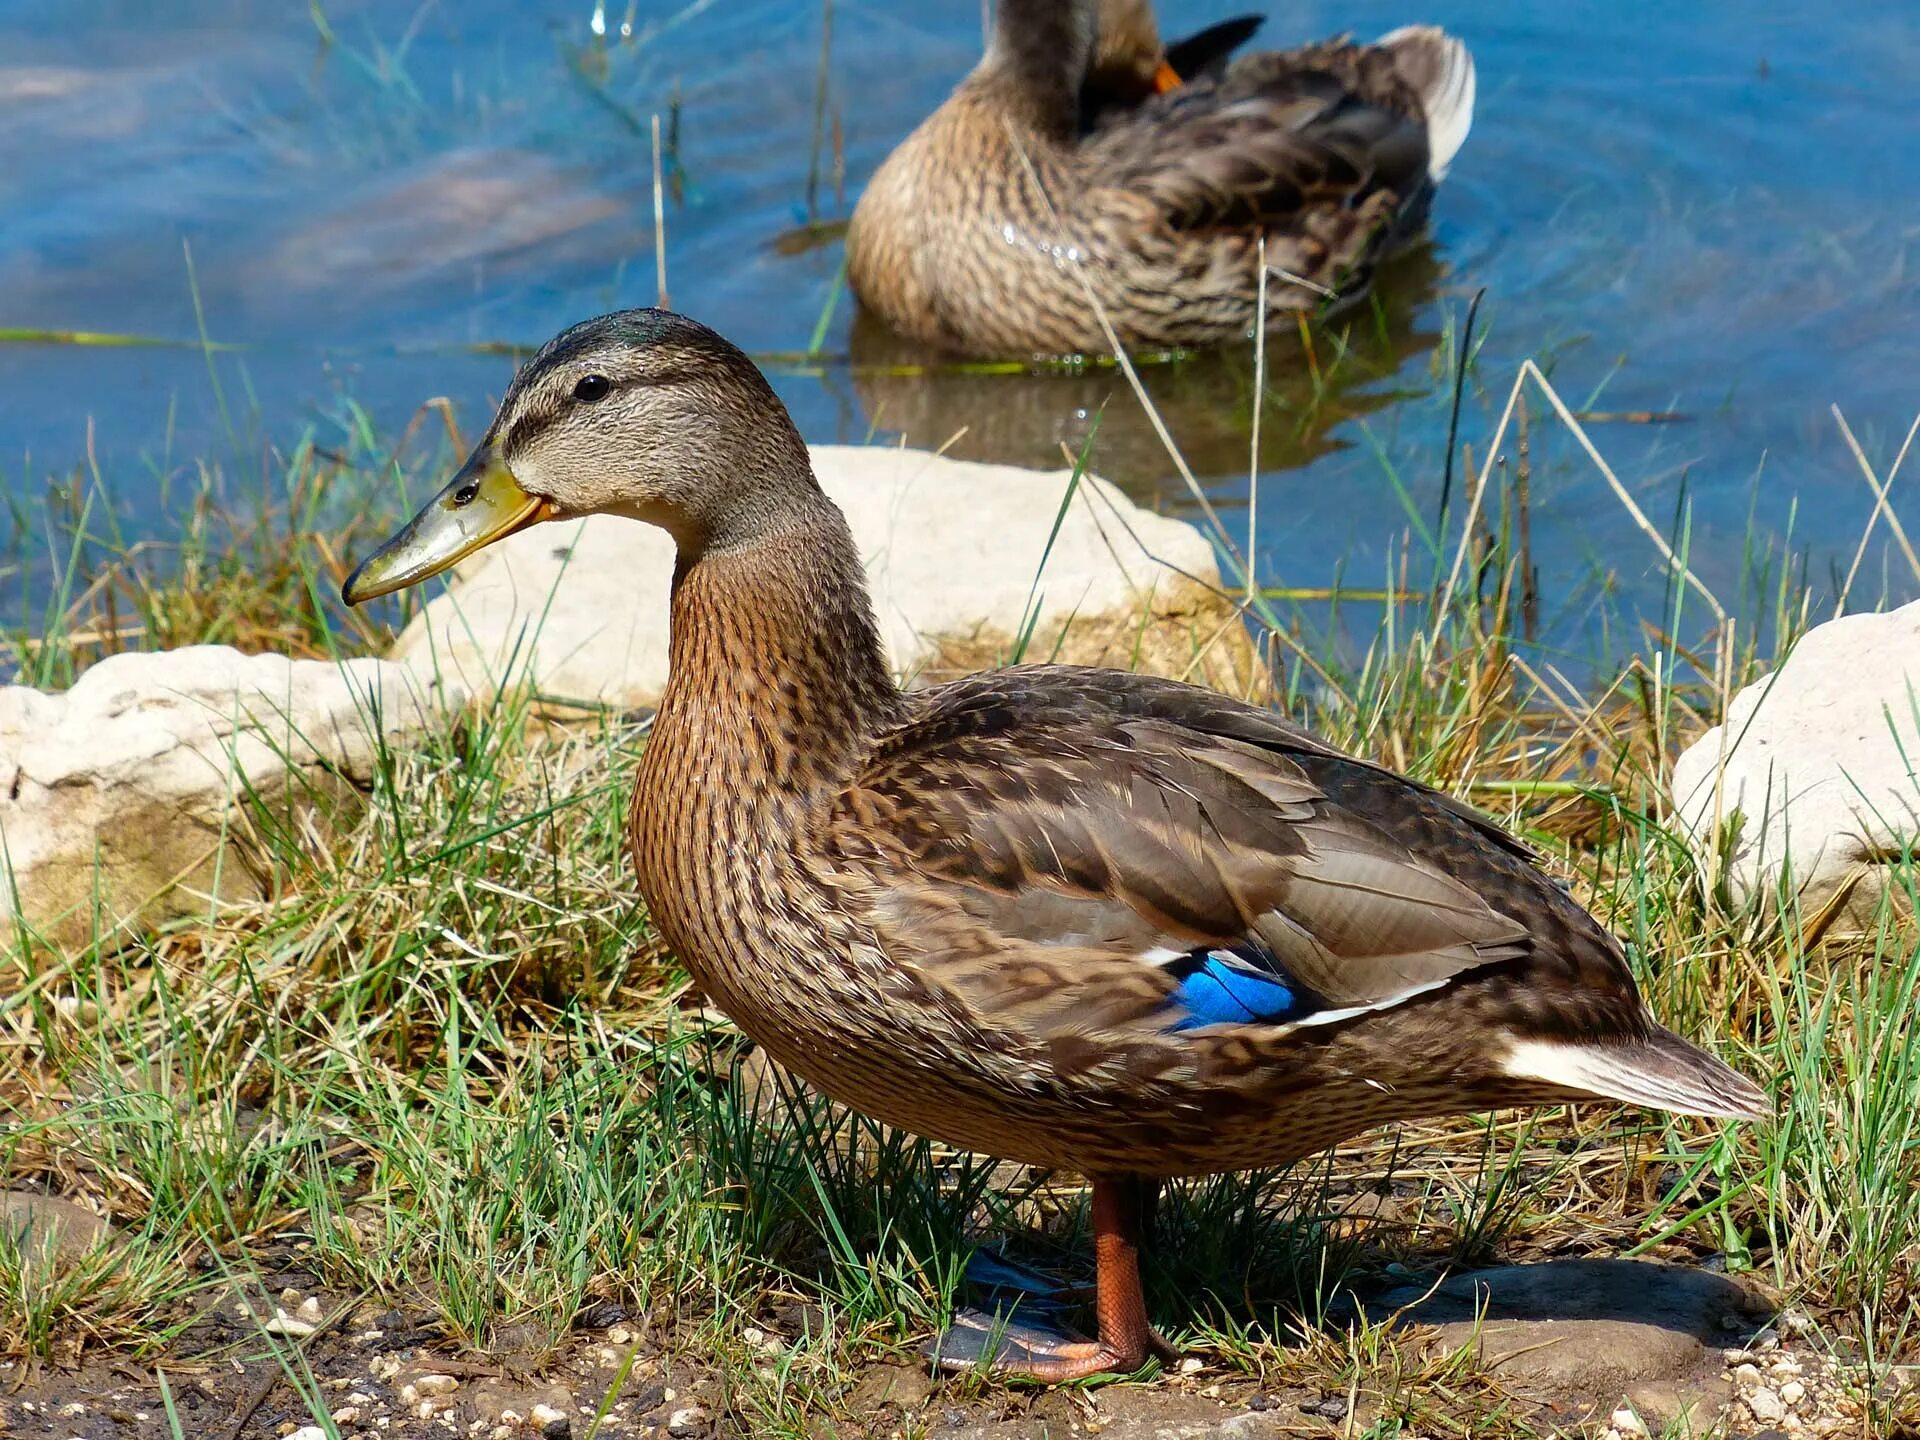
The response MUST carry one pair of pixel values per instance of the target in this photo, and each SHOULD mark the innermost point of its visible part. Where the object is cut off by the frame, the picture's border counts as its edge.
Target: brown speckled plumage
(1054, 168)
(975, 911)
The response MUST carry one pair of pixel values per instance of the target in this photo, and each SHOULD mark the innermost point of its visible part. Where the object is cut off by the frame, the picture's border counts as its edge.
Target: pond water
(1705, 211)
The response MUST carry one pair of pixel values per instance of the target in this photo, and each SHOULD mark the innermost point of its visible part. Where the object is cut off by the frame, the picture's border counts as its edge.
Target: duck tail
(1659, 1070)
(1440, 70)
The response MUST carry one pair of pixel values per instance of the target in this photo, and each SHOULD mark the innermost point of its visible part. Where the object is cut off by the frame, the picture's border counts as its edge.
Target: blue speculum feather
(1224, 987)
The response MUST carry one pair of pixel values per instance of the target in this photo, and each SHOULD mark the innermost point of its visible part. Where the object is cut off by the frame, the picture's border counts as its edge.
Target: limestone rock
(579, 611)
(126, 792)
(1586, 1327)
(50, 1233)
(1817, 762)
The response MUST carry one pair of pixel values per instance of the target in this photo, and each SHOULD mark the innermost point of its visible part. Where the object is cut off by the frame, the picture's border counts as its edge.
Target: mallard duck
(986, 230)
(1074, 917)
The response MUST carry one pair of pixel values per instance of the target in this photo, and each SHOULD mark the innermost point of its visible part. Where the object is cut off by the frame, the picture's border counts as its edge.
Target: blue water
(1704, 209)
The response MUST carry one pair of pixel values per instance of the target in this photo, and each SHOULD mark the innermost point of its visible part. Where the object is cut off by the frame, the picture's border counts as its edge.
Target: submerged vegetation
(446, 1066)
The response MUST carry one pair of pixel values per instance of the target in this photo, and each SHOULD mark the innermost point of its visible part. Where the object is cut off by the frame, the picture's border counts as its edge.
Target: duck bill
(481, 504)
(1165, 78)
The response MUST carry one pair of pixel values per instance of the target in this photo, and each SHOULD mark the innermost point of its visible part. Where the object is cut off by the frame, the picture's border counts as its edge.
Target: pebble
(1748, 1375)
(346, 1415)
(1627, 1421)
(291, 1326)
(690, 1421)
(1766, 1406)
(1192, 1365)
(1793, 1392)
(314, 1432)
(436, 1384)
(551, 1422)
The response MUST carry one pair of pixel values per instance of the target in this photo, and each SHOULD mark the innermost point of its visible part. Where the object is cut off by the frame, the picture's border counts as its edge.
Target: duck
(1075, 192)
(1079, 918)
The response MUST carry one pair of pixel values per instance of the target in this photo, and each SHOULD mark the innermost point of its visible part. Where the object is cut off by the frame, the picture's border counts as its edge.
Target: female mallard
(1073, 917)
(1068, 166)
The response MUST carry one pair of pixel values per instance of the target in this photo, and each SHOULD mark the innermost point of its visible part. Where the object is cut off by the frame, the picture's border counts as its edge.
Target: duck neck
(778, 680)
(1037, 58)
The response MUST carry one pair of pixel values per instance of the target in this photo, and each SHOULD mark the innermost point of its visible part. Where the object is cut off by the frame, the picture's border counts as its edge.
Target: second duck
(1027, 197)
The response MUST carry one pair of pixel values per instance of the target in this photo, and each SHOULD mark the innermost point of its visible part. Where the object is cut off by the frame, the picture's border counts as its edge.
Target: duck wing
(1118, 874)
(1206, 52)
(1276, 141)
(1330, 152)
(1075, 849)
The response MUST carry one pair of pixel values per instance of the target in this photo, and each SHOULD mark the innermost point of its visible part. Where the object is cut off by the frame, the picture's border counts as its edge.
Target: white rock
(292, 1326)
(314, 1432)
(544, 1415)
(579, 610)
(127, 790)
(1817, 760)
(435, 1384)
(1766, 1406)
(1793, 1392)
(1626, 1421)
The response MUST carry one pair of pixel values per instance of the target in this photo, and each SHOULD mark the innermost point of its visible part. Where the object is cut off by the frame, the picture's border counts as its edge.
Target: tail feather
(1662, 1071)
(1440, 70)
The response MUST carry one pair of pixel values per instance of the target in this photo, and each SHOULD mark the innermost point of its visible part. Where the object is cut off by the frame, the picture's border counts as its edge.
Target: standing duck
(1074, 917)
(1070, 163)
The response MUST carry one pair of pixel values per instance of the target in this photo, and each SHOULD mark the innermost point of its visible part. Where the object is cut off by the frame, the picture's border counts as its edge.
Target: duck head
(641, 413)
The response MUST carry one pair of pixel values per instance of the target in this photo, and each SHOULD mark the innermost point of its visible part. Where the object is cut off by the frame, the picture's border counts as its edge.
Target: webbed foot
(1032, 1349)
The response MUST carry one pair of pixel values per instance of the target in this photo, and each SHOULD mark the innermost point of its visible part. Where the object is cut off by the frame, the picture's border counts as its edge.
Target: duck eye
(464, 495)
(592, 387)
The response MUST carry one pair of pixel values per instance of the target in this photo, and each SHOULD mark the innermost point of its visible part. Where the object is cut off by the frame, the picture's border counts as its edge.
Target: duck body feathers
(985, 230)
(1095, 920)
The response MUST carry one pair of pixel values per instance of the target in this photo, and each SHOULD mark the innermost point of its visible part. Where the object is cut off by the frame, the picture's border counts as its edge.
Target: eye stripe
(529, 427)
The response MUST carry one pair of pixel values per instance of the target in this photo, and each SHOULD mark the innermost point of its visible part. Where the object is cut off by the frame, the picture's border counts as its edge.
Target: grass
(449, 1068)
